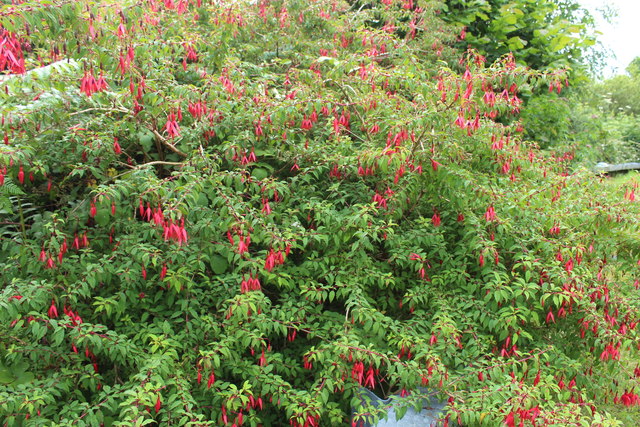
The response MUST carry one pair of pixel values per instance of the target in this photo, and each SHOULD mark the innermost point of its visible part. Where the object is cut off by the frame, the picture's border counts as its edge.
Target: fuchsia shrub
(346, 202)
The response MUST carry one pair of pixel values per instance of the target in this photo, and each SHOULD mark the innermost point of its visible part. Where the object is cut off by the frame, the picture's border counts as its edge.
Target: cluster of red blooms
(137, 94)
(175, 232)
(310, 420)
(170, 230)
(342, 122)
(74, 317)
(155, 215)
(250, 284)
(210, 381)
(191, 54)
(611, 352)
(11, 57)
(90, 85)
(197, 109)
(116, 146)
(508, 349)
(629, 398)
(557, 85)
(490, 215)
(291, 334)
(381, 200)
(470, 125)
(79, 242)
(405, 352)
(252, 403)
(522, 415)
(307, 123)
(435, 219)
(246, 158)
(124, 62)
(172, 127)
(275, 258)
(367, 379)
(3, 173)
(226, 82)
(243, 242)
(335, 172)
(630, 195)
(368, 171)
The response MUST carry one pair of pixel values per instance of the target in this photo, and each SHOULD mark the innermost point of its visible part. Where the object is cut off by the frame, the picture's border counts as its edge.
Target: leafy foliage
(242, 213)
(549, 34)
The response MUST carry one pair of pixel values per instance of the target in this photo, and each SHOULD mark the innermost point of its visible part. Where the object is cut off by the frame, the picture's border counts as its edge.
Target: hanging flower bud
(116, 146)
(158, 404)
(53, 310)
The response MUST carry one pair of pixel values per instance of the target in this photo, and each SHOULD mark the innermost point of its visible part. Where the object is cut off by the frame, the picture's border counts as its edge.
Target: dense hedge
(220, 213)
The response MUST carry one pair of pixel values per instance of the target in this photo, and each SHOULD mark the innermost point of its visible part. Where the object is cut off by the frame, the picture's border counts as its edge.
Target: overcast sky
(622, 36)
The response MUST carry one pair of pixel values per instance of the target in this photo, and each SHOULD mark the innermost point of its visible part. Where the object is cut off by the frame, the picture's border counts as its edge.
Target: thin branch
(114, 110)
(168, 144)
(157, 162)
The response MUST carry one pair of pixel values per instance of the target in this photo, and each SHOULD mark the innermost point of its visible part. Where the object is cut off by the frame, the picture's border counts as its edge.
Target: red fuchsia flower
(435, 219)
(197, 109)
(11, 56)
(250, 284)
(191, 54)
(172, 127)
(21, 175)
(173, 231)
(93, 210)
(357, 372)
(435, 165)
(101, 83)
(370, 380)
(536, 380)
(306, 124)
(75, 318)
(50, 263)
(163, 272)
(380, 200)
(266, 208)
(461, 122)
(630, 195)
(53, 310)
(550, 318)
(630, 398)
(243, 243)
(122, 31)
(509, 420)
(568, 266)
(116, 146)
(273, 259)
(89, 85)
(211, 380)
(158, 404)
(490, 215)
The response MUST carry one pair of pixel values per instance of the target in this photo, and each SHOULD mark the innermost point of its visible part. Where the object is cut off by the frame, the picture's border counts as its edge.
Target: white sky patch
(621, 35)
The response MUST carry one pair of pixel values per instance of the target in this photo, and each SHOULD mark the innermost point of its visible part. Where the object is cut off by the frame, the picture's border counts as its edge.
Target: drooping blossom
(172, 127)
